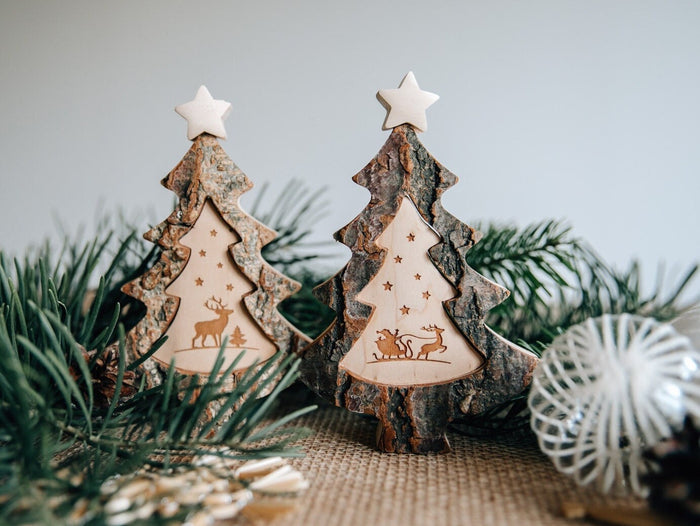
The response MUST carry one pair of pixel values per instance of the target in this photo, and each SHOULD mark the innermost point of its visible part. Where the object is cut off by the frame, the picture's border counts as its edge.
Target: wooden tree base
(418, 431)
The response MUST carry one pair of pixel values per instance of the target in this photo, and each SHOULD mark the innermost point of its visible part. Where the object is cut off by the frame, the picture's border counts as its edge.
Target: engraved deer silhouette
(212, 328)
(437, 345)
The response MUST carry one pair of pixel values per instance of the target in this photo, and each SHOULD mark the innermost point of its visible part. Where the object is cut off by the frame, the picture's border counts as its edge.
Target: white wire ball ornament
(606, 390)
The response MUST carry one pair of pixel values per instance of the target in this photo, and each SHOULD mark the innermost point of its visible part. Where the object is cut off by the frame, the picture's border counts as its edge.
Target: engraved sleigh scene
(409, 339)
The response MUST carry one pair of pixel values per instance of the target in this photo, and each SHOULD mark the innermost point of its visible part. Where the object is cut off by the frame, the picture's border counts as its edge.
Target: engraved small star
(398, 259)
(405, 310)
(199, 282)
(411, 237)
(203, 253)
(213, 233)
(387, 285)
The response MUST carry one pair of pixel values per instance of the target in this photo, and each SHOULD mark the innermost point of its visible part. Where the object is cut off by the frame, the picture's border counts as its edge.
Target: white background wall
(584, 110)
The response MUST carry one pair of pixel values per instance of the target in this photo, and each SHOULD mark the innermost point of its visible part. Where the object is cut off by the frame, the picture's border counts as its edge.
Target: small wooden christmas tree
(210, 285)
(409, 345)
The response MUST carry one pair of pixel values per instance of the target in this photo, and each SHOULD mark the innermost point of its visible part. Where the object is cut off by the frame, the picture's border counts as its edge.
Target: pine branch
(51, 426)
(293, 214)
(557, 281)
(303, 309)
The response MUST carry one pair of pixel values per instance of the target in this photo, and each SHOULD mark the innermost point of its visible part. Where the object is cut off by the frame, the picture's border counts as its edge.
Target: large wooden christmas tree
(210, 287)
(409, 344)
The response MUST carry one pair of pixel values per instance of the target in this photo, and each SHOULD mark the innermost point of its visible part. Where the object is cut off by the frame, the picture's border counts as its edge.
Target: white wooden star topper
(204, 114)
(406, 104)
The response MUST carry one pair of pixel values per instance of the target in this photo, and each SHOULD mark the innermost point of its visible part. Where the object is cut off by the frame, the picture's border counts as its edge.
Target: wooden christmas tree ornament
(211, 284)
(409, 344)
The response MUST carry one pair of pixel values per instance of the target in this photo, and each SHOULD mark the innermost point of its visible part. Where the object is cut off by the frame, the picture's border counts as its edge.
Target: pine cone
(675, 487)
(104, 372)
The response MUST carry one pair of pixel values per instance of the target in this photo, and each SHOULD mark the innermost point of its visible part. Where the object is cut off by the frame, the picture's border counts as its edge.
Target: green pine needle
(556, 281)
(50, 425)
(292, 214)
(57, 304)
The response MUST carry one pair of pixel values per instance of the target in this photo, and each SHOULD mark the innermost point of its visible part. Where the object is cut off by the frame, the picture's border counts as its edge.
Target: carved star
(199, 282)
(204, 114)
(203, 253)
(404, 309)
(426, 294)
(411, 237)
(387, 286)
(229, 287)
(406, 104)
(213, 233)
(417, 276)
(398, 259)
(219, 265)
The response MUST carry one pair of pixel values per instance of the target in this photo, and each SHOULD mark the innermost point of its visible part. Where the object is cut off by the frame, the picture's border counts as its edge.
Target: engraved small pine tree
(210, 284)
(364, 360)
(237, 339)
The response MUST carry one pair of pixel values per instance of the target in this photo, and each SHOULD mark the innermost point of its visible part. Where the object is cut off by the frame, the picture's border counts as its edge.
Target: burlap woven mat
(500, 480)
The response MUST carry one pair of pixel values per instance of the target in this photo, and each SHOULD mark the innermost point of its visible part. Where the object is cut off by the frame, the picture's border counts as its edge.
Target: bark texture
(207, 172)
(412, 419)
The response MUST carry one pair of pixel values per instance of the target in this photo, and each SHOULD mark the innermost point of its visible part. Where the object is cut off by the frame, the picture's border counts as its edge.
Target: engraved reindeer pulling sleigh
(395, 346)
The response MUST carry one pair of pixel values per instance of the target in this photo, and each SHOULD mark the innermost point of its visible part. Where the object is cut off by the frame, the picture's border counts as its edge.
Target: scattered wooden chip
(258, 468)
(212, 488)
